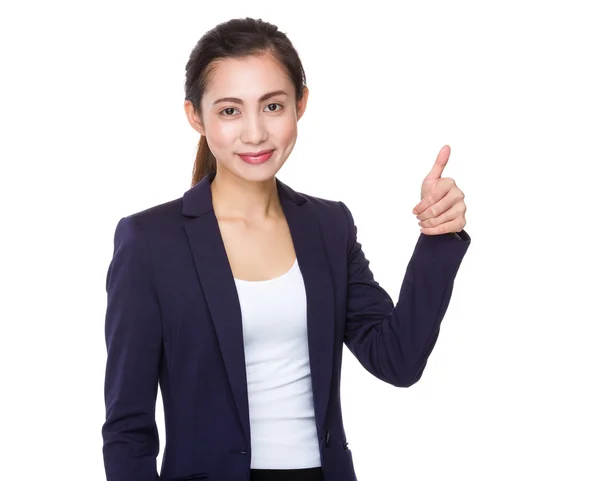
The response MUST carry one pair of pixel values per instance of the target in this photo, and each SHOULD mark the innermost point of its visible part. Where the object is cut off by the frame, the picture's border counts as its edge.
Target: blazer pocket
(194, 477)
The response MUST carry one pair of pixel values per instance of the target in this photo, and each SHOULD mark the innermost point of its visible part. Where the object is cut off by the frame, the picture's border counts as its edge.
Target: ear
(301, 104)
(193, 117)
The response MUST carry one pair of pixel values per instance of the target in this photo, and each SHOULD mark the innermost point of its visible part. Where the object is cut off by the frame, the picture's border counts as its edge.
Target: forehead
(246, 78)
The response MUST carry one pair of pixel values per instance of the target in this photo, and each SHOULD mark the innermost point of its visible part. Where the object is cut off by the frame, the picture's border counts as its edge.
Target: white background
(93, 128)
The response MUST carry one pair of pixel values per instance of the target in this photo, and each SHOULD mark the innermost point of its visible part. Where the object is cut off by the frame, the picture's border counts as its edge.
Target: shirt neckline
(265, 281)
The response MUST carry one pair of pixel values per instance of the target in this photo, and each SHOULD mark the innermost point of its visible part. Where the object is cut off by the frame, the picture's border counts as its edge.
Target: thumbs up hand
(442, 207)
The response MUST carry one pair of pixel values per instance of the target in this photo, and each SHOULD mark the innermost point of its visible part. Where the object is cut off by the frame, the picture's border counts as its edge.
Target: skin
(442, 207)
(245, 200)
(241, 190)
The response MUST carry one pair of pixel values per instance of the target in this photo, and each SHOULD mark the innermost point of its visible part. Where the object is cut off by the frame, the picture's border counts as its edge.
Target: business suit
(173, 317)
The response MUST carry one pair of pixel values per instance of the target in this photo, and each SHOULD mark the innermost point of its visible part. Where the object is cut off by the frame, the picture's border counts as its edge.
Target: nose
(254, 130)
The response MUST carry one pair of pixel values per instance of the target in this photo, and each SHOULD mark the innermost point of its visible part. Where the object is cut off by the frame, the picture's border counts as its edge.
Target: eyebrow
(240, 101)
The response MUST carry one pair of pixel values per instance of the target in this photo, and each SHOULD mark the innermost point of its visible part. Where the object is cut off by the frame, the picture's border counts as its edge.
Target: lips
(255, 154)
(256, 158)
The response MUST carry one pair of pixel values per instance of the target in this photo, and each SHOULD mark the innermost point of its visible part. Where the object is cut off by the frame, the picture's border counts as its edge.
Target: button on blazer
(173, 319)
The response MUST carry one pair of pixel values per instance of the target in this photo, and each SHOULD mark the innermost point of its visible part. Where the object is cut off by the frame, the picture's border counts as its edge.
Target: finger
(454, 212)
(454, 196)
(440, 190)
(439, 164)
(455, 225)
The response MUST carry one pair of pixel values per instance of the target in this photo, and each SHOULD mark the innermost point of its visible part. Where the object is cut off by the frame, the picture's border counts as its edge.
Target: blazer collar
(198, 199)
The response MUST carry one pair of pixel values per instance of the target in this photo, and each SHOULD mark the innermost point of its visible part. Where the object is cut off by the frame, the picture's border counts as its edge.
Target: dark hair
(235, 38)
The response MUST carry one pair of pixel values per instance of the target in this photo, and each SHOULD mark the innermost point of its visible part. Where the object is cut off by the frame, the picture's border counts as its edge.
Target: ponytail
(205, 162)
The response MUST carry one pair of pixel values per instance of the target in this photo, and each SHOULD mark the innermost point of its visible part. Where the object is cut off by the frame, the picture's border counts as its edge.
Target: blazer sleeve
(134, 343)
(393, 342)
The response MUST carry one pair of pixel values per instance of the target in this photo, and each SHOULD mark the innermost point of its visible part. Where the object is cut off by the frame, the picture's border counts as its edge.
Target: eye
(225, 110)
(274, 110)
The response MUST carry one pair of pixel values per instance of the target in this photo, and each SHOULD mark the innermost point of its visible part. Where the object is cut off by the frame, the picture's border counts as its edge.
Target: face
(249, 107)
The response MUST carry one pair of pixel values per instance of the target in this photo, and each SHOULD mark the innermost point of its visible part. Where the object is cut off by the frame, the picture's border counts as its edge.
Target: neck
(235, 198)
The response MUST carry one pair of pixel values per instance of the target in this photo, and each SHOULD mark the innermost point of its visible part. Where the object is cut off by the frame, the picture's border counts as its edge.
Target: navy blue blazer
(173, 318)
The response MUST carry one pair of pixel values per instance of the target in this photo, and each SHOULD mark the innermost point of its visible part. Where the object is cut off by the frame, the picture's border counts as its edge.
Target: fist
(442, 208)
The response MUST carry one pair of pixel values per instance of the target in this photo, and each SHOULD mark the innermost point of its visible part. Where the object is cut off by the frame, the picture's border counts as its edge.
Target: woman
(237, 298)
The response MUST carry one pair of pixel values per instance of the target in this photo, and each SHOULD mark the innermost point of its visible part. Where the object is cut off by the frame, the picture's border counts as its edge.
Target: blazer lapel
(218, 284)
(316, 271)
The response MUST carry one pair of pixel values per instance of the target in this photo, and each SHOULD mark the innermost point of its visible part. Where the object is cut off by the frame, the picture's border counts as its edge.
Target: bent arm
(134, 343)
(393, 342)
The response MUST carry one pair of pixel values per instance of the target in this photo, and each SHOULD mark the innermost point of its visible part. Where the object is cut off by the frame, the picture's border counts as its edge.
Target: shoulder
(320, 203)
(334, 214)
(154, 222)
(159, 214)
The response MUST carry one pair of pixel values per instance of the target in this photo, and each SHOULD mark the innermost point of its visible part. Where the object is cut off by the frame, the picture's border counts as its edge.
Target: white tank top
(280, 398)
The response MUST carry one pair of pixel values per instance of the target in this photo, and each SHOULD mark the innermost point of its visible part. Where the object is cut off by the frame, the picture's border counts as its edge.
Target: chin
(258, 173)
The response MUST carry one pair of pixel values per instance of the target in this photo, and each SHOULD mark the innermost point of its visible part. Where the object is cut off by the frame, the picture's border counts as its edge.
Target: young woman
(238, 297)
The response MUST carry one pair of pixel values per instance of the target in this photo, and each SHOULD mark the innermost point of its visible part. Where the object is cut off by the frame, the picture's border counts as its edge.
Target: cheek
(222, 134)
(287, 131)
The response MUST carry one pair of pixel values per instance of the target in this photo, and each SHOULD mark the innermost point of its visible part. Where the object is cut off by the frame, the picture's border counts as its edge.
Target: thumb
(440, 163)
